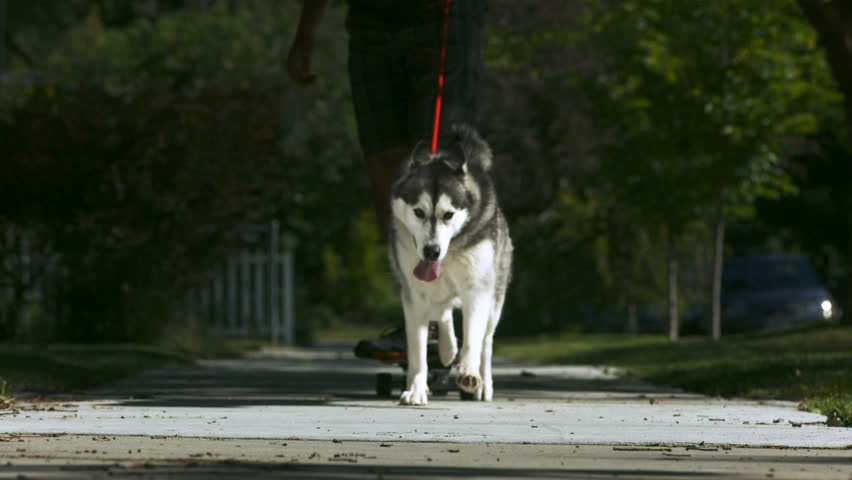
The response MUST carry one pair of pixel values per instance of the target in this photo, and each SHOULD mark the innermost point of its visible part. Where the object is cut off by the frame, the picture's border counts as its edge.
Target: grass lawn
(811, 364)
(40, 369)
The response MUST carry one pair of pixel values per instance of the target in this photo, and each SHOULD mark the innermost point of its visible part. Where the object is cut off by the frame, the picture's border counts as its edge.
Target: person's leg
(383, 168)
(462, 70)
(393, 89)
(377, 87)
(379, 94)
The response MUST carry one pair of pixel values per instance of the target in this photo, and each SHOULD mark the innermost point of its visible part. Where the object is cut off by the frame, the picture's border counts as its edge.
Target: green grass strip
(811, 364)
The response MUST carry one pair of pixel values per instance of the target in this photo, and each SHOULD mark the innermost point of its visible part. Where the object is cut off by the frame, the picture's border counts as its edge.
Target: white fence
(30, 276)
(250, 294)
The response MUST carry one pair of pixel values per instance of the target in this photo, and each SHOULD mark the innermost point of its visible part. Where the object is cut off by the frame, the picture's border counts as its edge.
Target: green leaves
(690, 81)
(689, 107)
(162, 125)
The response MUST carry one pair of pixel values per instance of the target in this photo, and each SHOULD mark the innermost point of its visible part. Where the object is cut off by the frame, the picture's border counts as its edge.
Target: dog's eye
(419, 213)
(448, 216)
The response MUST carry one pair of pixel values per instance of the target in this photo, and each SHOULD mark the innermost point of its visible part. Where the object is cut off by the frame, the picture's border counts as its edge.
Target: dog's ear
(421, 154)
(454, 156)
(476, 153)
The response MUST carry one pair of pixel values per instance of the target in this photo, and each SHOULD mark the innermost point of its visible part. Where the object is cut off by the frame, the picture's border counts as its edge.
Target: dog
(449, 247)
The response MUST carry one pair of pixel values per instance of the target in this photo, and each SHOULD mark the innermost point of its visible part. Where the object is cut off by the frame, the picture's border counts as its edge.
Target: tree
(148, 129)
(832, 19)
(699, 97)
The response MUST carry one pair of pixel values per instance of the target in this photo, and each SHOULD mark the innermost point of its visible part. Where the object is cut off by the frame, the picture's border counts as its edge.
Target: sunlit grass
(811, 364)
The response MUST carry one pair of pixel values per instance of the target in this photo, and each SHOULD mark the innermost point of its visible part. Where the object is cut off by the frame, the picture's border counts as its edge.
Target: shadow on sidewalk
(332, 374)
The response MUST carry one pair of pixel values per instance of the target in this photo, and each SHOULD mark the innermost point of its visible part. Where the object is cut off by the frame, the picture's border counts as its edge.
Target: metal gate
(250, 294)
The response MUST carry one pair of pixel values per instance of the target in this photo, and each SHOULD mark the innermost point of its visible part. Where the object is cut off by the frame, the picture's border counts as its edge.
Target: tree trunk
(632, 320)
(672, 300)
(718, 256)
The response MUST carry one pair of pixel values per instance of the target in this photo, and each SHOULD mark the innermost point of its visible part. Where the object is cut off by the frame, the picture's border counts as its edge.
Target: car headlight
(826, 309)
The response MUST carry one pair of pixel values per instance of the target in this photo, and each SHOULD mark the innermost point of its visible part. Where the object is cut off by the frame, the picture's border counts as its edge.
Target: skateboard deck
(439, 380)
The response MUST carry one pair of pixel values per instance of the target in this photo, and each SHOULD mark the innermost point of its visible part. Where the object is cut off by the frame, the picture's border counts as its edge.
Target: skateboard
(439, 379)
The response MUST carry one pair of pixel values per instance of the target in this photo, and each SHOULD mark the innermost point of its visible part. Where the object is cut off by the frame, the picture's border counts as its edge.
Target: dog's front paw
(469, 380)
(415, 395)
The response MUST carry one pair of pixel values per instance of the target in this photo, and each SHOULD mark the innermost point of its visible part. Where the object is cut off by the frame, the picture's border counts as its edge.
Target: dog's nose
(431, 252)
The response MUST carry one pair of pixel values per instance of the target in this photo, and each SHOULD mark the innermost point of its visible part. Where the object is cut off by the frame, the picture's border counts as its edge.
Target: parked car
(771, 291)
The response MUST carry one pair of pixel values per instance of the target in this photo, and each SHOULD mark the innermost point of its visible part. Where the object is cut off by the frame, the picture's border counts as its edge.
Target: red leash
(437, 124)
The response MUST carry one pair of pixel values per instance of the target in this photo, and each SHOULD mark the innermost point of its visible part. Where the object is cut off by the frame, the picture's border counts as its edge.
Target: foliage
(357, 279)
(811, 222)
(120, 189)
(545, 293)
(164, 126)
(833, 20)
(701, 96)
(616, 126)
(687, 104)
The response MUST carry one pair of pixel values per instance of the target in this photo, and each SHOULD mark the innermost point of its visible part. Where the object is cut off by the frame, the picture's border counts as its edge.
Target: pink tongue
(427, 271)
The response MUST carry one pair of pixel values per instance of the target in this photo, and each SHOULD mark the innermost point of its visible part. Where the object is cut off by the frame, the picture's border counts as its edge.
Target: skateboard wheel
(384, 384)
(439, 383)
(465, 395)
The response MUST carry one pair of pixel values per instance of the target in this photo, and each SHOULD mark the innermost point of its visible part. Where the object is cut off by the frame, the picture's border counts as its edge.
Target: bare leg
(382, 167)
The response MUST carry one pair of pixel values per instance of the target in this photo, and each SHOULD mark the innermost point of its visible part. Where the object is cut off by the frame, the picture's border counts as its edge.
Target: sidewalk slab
(117, 457)
(324, 395)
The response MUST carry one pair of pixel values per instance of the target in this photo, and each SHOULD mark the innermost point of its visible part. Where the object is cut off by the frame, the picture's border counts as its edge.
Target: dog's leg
(447, 344)
(417, 335)
(477, 312)
(487, 350)
(485, 368)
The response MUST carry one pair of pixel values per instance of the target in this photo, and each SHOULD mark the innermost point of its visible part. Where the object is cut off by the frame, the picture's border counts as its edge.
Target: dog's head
(434, 193)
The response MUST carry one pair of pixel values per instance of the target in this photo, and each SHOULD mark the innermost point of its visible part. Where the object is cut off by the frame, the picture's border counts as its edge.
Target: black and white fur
(447, 201)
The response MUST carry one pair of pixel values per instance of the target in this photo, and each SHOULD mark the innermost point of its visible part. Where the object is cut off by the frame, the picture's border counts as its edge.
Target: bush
(119, 190)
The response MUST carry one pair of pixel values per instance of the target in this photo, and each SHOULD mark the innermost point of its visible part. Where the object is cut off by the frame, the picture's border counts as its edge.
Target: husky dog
(450, 248)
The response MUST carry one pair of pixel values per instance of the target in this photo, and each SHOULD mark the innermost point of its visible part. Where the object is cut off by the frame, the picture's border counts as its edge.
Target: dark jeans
(394, 62)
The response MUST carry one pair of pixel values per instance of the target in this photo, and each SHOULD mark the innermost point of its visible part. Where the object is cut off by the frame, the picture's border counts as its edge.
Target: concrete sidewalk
(79, 458)
(322, 401)
(328, 394)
